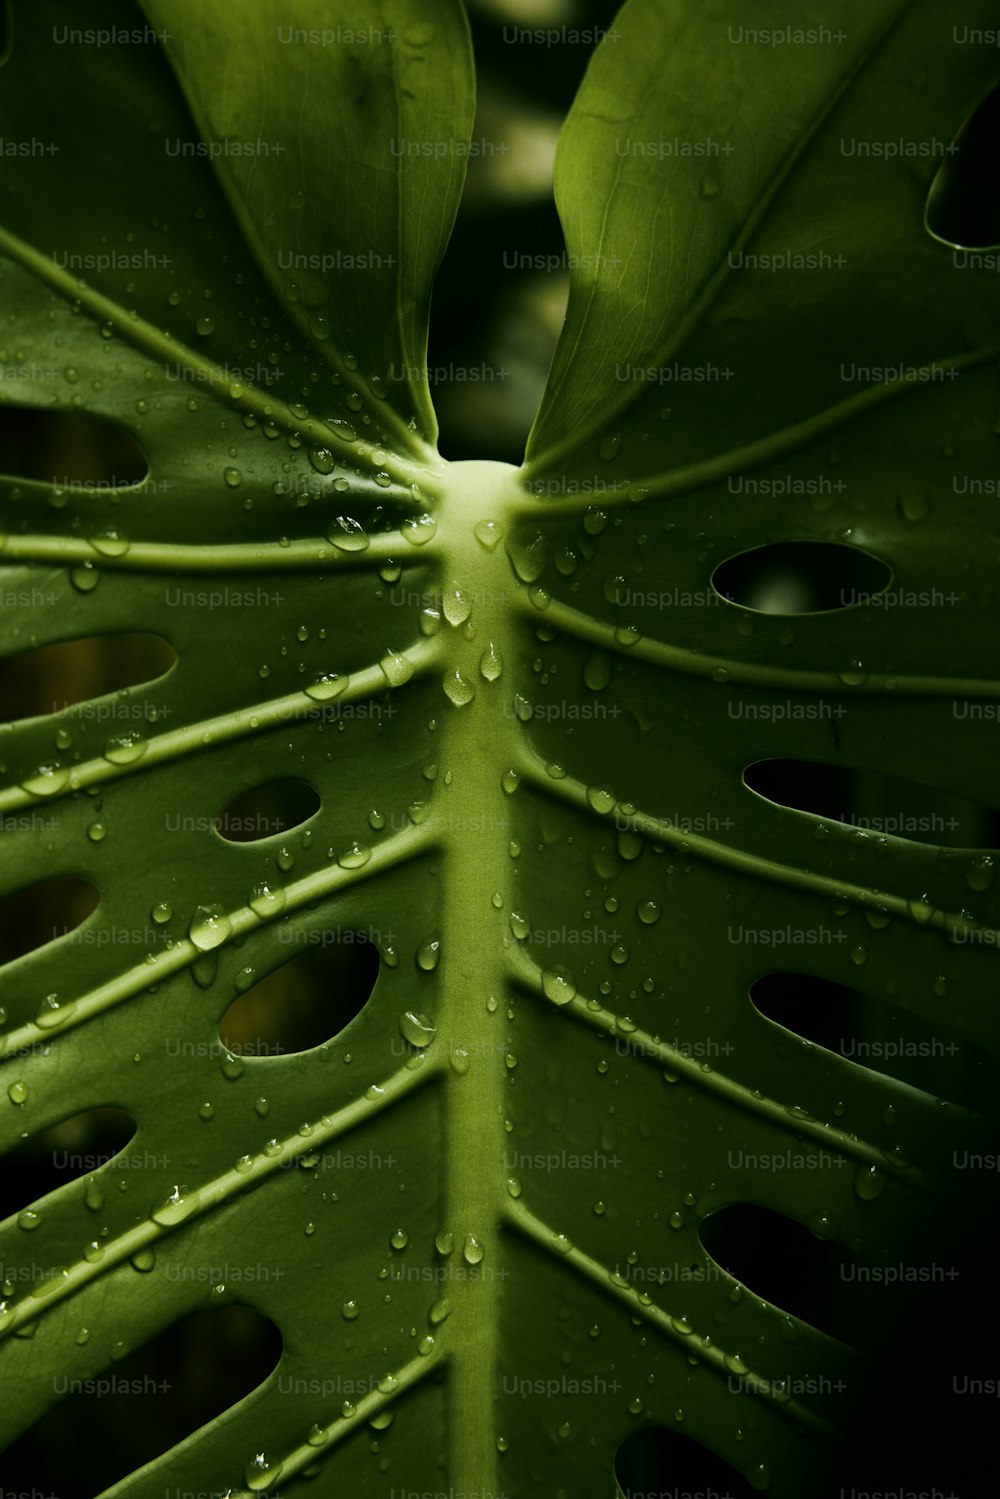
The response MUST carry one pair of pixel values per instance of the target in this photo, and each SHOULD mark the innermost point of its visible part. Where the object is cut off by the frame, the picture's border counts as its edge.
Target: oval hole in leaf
(267, 810)
(54, 677)
(880, 1036)
(801, 577)
(656, 1460)
(41, 913)
(72, 449)
(874, 802)
(172, 1386)
(76, 1146)
(914, 1426)
(817, 1009)
(963, 205)
(779, 1259)
(306, 1001)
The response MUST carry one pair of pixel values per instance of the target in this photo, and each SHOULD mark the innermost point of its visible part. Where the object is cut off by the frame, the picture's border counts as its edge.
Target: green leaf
(527, 717)
(371, 140)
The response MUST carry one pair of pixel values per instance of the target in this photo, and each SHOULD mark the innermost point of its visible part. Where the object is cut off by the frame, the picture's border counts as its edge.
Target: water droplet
(472, 1250)
(979, 873)
(609, 448)
(598, 670)
(347, 534)
(428, 954)
(204, 326)
(399, 1238)
(396, 668)
(869, 1182)
(417, 1029)
(110, 542)
(458, 689)
(125, 749)
(322, 460)
(419, 529)
(18, 1092)
(859, 955)
(822, 1225)
(85, 577)
(173, 1209)
(47, 780)
(54, 1012)
(854, 675)
(490, 663)
(261, 1472)
(913, 502)
(602, 799)
(558, 985)
(209, 927)
(266, 899)
(456, 603)
(528, 551)
(488, 533)
(510, 780)
(439, 1311)
(921, 910)
(354, 857)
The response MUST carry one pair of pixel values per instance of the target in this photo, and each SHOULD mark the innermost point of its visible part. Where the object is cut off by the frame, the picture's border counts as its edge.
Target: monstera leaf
(525, 710)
